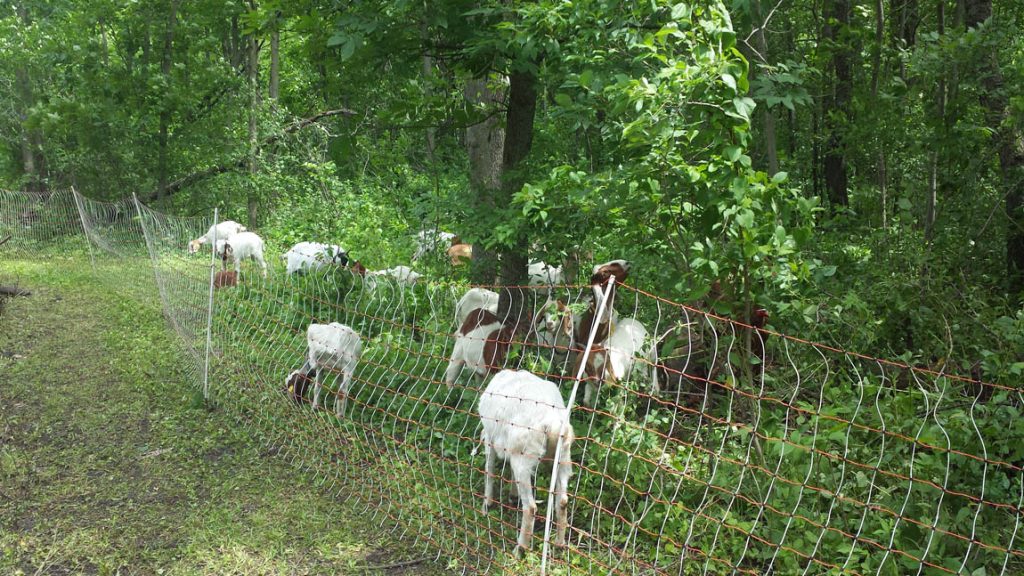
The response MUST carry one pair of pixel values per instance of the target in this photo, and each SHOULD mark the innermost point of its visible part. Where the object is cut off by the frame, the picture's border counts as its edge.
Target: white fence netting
(724, 449)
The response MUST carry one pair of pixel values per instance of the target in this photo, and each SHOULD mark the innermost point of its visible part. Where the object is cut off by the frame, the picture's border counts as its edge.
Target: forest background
(855, 168)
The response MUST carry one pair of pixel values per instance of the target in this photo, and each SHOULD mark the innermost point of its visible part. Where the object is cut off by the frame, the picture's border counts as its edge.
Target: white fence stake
(209, 311)
(605, 303)
(85, 230)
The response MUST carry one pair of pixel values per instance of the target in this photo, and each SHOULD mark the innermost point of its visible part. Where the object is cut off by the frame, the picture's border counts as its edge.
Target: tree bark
(837, 111)
(767, 116)
(275, 65)
(940, 106)
(166, 62)
(1010, 145)
(522, 110)
(31, 139)
(485, 143)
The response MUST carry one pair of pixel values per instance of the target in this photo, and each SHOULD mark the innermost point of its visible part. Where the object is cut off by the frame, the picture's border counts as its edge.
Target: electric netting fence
(719, 448)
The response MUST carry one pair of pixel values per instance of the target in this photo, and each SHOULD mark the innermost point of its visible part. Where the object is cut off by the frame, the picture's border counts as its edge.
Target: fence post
(85, 229)
(602, 306)
(209, 310)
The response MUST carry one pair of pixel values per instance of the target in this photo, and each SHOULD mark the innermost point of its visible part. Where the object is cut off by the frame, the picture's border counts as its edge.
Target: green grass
(108, 465)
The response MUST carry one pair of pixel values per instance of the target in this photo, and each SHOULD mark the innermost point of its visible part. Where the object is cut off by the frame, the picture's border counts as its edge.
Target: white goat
(554, 328)
(403, 275)
(312, 256)
(615, 359)
(475, 298)
(222, 231)
(332, 346)
(522, 417)
(544, 275)
(431, 240)
(241, 246)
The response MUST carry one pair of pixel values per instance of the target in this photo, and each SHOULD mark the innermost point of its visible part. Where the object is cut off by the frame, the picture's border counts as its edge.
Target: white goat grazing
(312, 256)
(522, 417)
(615, 359)
(241, 246)
(475, 298)
(222, 231)
(332, 346)
(403, 275)
(544, 275)
(554, 328)
(431, 240)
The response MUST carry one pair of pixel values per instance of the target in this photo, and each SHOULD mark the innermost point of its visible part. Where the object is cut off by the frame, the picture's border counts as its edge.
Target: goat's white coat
(555, 330)
(430, 240)
(475, 298)
(522, 416)
(222, 230)
(306, 256)
(243, 245)
(541, 274)
(403, 275)
(627, 340)
(333, 346)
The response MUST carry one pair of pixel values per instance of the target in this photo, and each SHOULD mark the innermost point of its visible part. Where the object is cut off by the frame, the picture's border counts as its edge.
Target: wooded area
(856, 168)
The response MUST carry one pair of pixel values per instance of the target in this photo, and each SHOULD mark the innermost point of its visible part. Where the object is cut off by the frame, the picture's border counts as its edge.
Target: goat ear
(567, 323)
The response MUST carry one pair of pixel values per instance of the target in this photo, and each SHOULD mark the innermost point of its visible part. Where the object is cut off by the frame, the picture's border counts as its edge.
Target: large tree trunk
(522, 109)
(767, 116)
(1010, 142)
(837, 111)
(485, 141)
(275, 65)
(166, 62)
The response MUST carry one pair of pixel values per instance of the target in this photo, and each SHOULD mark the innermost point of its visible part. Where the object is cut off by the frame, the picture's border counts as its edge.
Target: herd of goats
(523, 416)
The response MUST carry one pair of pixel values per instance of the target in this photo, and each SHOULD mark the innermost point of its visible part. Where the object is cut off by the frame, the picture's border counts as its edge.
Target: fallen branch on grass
(13, 291)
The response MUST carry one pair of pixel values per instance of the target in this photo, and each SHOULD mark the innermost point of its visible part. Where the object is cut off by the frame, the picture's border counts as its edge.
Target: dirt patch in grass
(105, 468)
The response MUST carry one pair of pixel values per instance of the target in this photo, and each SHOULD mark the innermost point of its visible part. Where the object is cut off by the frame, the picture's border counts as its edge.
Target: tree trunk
(1010, 142)
(485, 141)
(166, 62)
(252, 69)
(522, 110)
(31, 139)
(767, 116)
(938, 139)
(836, 114)
(275, 65)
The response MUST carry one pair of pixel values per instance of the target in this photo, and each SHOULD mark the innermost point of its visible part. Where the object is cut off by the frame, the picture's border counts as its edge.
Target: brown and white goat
(619, 269)
(481, 344)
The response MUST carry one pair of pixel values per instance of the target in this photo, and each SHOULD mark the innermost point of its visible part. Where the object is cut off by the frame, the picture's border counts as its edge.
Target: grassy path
(109, 466)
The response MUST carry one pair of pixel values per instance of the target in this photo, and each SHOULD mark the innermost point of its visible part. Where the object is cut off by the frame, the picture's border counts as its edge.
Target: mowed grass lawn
(110, 465)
